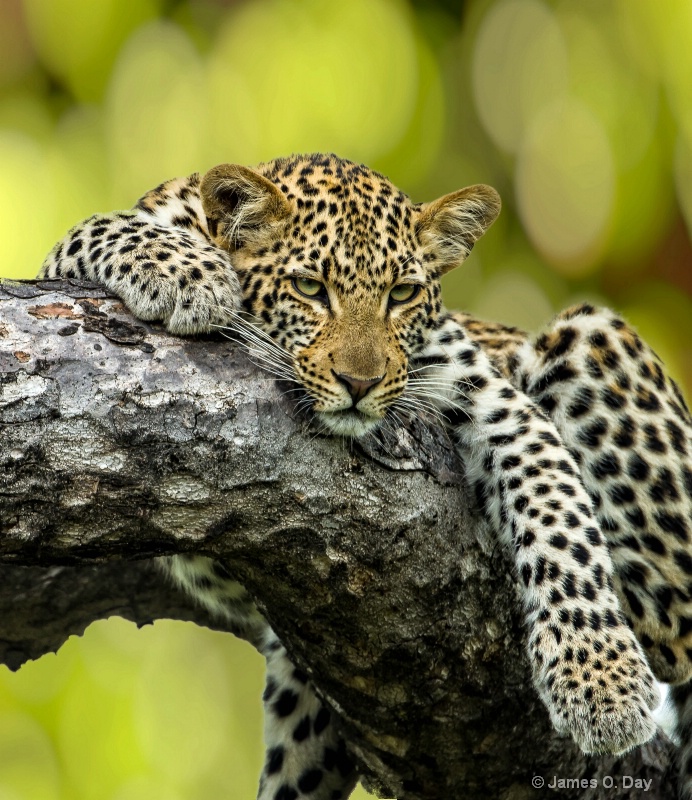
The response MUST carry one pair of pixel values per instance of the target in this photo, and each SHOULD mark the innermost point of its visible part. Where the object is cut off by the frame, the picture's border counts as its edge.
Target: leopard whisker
(417, 402)
(424, 367)
(420, 386)
(263, 360)
(253, 330)
(269, 355)
(418, 410)
(446, 404)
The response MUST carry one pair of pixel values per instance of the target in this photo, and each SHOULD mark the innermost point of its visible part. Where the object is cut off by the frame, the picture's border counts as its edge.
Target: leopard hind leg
(306, 756)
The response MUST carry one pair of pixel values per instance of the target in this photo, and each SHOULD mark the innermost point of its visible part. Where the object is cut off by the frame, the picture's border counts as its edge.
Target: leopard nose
(357, 387)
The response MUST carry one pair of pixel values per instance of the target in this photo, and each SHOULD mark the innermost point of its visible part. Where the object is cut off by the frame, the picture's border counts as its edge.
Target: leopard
(576, 443)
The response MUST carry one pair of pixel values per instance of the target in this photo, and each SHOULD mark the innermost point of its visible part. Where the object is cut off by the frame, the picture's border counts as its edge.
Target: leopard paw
(597, 685)
(605, 707)
(162, 274)
(600, 722)
(192, 294)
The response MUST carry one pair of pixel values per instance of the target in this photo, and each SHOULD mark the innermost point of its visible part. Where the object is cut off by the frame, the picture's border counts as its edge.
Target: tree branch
(120, 442)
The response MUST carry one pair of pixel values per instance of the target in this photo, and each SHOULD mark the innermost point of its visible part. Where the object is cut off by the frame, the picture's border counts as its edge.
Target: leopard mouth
(348, 422)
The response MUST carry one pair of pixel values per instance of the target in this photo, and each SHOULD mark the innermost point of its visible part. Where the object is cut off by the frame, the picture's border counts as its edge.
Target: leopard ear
(240, 203)
(449, 227)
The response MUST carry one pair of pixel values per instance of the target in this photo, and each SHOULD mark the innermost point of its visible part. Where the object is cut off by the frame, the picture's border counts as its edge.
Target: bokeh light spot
(683, 179)
(26, 205)
(565, 185)
(179, 722)
(28, 764)
(514, 299)
(79, 39)
(624, 99)
(337, 84)
(519, 67)
(155, 112)
(145, 787)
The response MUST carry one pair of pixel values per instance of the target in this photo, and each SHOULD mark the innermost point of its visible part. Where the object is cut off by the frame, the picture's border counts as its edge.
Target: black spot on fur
(286, 792)
(275, 759)
(672, 523)
(286, 703)
(637, 468)
(580, 553)
(302, 729)
(557, 374)
(582, 404)
(607, 464)
(566, 338)
(75, 247)
(310, 780)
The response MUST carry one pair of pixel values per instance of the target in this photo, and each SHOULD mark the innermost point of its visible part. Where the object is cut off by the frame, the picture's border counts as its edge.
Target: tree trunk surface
(120, 443)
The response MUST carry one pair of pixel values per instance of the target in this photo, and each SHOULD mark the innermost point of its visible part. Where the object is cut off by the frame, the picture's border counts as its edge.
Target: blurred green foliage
(171, 711)
(576, 110)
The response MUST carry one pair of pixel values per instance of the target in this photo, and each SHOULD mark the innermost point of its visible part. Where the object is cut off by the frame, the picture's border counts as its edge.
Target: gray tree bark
(120, 443)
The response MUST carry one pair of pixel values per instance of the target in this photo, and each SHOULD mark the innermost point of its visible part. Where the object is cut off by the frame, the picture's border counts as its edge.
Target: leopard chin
(348, 422)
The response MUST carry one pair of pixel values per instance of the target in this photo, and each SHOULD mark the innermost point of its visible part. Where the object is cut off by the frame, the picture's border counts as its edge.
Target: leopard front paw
(604, 701)
(192, 295)
(600, 719)
(161, 272)
(595, 682)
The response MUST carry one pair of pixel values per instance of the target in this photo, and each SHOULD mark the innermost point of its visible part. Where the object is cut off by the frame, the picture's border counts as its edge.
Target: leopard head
(341, 273)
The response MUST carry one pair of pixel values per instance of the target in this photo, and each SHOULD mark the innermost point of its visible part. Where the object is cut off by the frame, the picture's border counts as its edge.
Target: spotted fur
(577, 444)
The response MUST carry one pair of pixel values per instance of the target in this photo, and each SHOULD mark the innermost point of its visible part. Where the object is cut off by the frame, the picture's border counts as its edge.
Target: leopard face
(341, 271)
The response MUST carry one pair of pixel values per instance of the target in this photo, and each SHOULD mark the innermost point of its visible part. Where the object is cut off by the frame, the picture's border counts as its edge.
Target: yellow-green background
(578, 111)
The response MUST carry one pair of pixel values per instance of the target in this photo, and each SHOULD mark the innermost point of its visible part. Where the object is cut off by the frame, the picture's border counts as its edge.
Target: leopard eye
(404, 292)
(308, 287)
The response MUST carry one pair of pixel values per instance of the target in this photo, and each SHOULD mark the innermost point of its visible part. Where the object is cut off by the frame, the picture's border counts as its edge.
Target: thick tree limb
(119, 443)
